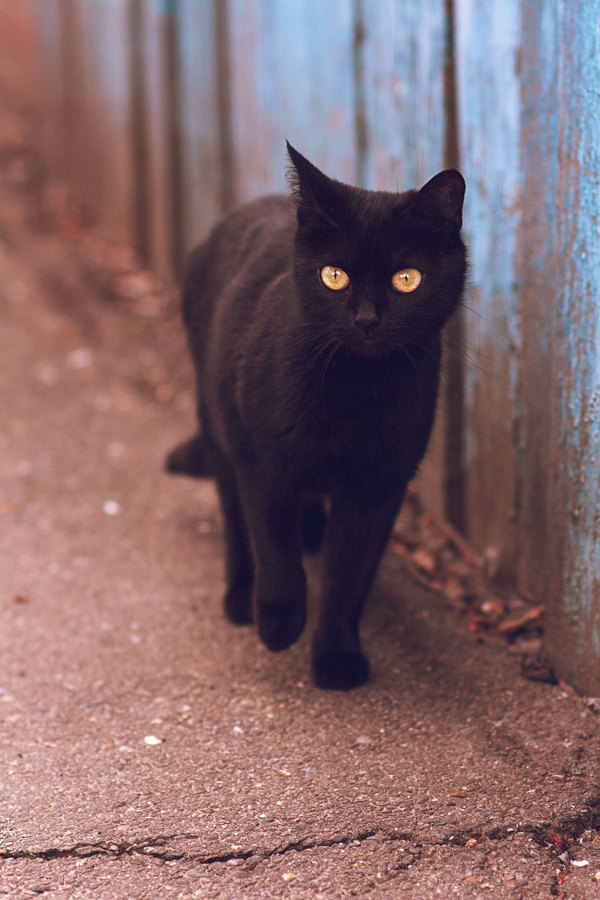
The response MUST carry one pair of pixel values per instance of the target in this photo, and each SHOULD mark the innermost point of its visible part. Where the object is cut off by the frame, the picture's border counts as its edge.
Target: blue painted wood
(530, 143)
(574, 635)
(201, 149)
(487, 46)
(403, 83)
(537, 281)
(292, 77)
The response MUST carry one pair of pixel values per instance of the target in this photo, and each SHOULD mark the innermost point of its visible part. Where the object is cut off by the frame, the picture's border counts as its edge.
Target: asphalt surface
(148, 748)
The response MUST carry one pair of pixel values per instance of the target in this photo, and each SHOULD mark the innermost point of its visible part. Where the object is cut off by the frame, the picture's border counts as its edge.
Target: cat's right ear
(441, 199)
(317, 197)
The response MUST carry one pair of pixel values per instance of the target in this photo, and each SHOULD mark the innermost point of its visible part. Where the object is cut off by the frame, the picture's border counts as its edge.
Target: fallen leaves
(556, 840)
(533, 616)
(441, 559)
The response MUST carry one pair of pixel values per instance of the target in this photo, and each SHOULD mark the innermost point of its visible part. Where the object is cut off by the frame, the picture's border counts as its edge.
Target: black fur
(306, 393)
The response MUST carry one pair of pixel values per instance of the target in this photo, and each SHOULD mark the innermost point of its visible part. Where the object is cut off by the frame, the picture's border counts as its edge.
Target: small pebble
(80, 358)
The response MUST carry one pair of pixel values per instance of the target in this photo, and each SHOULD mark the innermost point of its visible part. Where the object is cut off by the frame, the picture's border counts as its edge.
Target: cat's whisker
(326, 364)
(312, 336)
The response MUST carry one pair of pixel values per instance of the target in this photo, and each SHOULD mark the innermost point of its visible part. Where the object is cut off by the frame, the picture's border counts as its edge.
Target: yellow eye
(333, 278)
(406, 280)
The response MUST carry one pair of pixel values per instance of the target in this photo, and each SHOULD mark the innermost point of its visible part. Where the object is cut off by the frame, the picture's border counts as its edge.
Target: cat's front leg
(358, 530)
(273, 517)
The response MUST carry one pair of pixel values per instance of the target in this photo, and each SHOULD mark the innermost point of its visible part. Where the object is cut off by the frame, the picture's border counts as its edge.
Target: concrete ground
(149, 749)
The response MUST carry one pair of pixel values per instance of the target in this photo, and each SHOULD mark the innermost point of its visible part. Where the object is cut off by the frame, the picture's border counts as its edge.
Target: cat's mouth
(369, 345)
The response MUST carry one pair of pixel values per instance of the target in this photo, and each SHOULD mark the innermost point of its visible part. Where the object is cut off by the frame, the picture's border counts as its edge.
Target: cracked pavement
(447, 775)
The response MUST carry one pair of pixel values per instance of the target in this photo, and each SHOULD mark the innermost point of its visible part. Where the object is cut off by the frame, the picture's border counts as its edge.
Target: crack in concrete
(571, 827)
(152, 847)
(157, 847)
(110, 848)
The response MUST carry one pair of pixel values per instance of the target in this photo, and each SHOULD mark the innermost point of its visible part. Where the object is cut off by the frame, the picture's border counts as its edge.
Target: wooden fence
(162, 113)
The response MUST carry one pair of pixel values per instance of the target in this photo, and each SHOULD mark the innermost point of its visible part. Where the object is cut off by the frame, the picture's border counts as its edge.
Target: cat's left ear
(442, 198)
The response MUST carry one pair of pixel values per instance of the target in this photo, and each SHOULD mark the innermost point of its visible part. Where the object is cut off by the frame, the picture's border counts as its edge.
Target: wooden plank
(159, 187)
(405, 121)
(106, 175)
(88, 59)
(537, 279)
(488, 42)
(573, 637)
(534, 403)
(199, 139)
(292, 77)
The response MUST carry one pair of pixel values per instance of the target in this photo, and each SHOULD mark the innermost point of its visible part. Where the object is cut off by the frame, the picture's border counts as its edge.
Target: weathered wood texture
(175, 110)
(574, 526)
(528, 92)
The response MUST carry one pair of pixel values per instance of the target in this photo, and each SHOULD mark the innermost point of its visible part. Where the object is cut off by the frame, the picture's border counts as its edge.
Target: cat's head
(377, 271)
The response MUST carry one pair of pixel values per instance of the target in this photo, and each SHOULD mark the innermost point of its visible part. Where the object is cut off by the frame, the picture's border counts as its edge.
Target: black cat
(315, 327)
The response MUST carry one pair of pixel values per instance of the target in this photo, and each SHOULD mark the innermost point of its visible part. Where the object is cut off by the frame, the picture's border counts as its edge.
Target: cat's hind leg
(189, 458)
(239, 563)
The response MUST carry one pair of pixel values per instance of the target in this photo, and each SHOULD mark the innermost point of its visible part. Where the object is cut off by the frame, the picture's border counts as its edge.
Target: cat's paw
(280, 624)
(339, 670)
(238, 606)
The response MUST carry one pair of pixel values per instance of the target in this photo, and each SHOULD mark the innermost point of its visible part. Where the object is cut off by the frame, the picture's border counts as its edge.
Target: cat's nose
(367, 320)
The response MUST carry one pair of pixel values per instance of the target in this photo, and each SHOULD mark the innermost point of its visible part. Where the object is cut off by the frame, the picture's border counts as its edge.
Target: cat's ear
(441, 199)
(318, 198)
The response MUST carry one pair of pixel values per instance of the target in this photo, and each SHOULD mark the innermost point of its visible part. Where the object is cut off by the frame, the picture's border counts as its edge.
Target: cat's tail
(188, 458)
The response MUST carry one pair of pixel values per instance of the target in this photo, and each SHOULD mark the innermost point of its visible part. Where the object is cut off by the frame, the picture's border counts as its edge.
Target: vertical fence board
(538, 286)
(86, 56)
(157, 134)
(292, 77)
(405, 119)
(487, 42)
(105, 174)
(198, 119)
(573, 637)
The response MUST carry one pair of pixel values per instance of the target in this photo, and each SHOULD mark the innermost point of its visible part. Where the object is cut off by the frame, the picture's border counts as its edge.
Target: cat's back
(243, 247)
